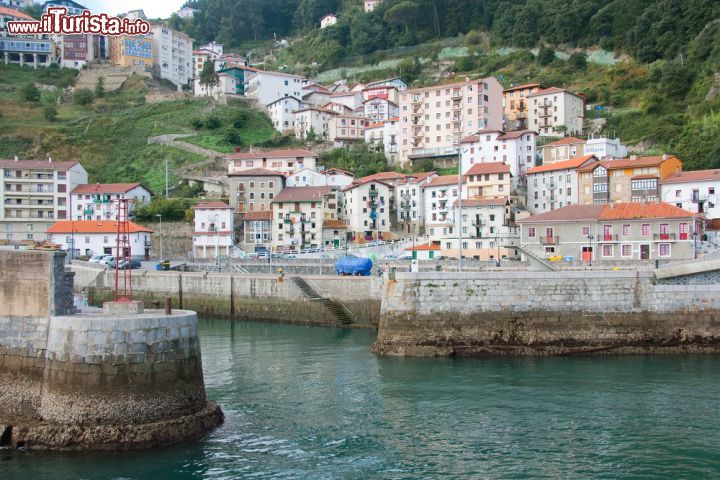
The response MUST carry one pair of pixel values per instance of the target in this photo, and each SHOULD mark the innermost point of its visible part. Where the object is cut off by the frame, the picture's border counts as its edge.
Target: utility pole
(166, 179)
(161, 237)
(459, 210)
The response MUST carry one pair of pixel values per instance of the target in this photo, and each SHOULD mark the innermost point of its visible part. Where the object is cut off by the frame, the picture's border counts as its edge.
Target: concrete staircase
(113, 76)
(536, 262)
(342, 315)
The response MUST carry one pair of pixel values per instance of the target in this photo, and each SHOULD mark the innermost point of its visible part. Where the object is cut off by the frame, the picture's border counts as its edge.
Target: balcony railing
(549, 240)
(665, 236)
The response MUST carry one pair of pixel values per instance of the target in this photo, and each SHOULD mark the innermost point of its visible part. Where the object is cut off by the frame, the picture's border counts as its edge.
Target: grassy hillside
(109, 136)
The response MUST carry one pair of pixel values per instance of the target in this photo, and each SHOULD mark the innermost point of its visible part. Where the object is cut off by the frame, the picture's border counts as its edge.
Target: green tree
(82, 96)
(311, 136)
(401, 14)
(208, 76)
(361, 160)
(100, 87)
(30, 93)
(578, 60)
(545, 55)
(50, 113)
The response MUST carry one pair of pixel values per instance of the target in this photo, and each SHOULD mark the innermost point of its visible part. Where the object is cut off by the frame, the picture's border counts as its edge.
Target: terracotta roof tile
(488, 168)
(571, 213)
(15, 13)
(93, 226)
(524, 87)
(628, 163)
(257, 215)
(571, 164)
(290, 153)
(481, 202)
(441, 181)
(565, 141)
(424, 248)
(37, 164)
(333, 224)
(256, 172)
(516, 134)
(302, 194)
(694, 176)
(212, 206)
(629, 211)
(105, 188)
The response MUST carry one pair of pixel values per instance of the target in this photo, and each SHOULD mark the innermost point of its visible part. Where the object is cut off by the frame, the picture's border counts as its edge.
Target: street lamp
(161, 237)
(462, 151)
(590, 239)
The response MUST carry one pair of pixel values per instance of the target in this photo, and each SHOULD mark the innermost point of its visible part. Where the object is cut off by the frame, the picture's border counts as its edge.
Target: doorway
(644, 252)
(587, 254)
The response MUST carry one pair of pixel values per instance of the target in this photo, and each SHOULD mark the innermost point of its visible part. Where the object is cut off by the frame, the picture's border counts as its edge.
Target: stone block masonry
(89, 380)
(547, 313)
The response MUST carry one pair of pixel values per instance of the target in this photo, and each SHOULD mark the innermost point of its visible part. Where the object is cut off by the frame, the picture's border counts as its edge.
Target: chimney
(665, 156)
(633, 157)
(16, 158)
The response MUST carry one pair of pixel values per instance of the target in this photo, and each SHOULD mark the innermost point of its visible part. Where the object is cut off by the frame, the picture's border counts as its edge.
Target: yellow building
(131, 50)
(515, 105)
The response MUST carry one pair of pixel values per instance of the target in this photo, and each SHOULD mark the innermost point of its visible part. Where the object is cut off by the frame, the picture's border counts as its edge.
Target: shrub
(30, 93)
(212, 122)
(50, 113)
(545, 56)
(82, 96)
(578, 60)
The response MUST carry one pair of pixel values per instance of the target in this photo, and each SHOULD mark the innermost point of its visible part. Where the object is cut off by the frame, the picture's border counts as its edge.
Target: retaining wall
(252, 297)
(545, 313)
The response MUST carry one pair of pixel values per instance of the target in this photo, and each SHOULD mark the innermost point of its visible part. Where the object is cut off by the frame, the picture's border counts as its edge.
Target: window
(586, 231)
(646, 229)
(531, 232)
(626, 230)
(626, 251)
(607, 250)
(664, 249)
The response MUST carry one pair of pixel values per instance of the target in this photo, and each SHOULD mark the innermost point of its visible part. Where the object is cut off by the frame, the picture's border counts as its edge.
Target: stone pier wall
(533, 313)
(259, 297)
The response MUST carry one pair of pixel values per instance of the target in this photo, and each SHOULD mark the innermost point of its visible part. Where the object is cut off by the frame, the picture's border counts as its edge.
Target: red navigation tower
(123, 272)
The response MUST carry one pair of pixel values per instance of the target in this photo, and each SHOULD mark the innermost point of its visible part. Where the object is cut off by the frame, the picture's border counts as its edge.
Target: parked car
(96, 258)
(106, 259)
(129, 265)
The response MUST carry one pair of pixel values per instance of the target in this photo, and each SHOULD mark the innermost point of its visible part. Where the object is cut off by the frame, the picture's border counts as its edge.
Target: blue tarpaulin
(353, 266)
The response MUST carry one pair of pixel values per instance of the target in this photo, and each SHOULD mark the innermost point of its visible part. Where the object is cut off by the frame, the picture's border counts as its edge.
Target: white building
(16, 4)
(316, 98)
(370, 5)
(440, 194)
(378, 109)
(267, 87)
(347, 129)
(286, 162)
(555, 185)
(186, 12)
(214, 231)
(695, 191)
(227, 85)
(515, 149)
(99, 201)
(298, 216)
(92, 237)
(282, 113)
(555, 107)
(367, 208)
(34, 195)
(328, 20)
(173, 55)
(410, 202)
(384, 134)
(352, 99)
(315, 120)
(327, 178)
(605, 148)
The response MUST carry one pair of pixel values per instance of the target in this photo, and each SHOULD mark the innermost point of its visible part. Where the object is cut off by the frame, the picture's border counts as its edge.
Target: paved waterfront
(313, 403)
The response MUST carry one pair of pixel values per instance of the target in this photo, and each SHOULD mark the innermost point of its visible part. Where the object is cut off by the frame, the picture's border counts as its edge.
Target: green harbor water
(314, 403)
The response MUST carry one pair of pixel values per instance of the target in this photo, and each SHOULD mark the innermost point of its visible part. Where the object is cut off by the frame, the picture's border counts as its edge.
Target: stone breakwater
(77, 381)
(553, 313)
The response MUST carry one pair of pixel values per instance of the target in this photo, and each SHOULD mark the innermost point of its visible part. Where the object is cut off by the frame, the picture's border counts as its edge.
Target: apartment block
(267, 87)
(562, 150)
(410, 202)
(34, 195)
(384, 134)
(257, 231)
(367, 208)
(254, 189)
(282, 113)
(131, 50)
(434, 120)
(282, 161)
(99, 201)
(553, 108)
(516, 149)
(172, 55)
(315, 120)
(441, 194)
(634, 179)
(515, 105)
(697, 191)
(214, 232)
(555, 185)
(488, 180)
(298, 216)
(91, 237)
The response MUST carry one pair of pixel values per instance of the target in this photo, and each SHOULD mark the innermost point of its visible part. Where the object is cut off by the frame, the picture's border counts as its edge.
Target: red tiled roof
(332, 171)
(257, 215)
(256, 172)
(93, 226)
(333, 224)
(515, 134)
(565, 141)
(618, 211)
(15, 13)
(212, 206)
(629, 211)
(552, 90)
(375, 125)
(423, 248)
(442, 180)
(694, 176)
(644, 177)
(302, 194)
(629, 163)
(480, 202)
(37, 164)
(291, 153)
(523, 87)
(382, 176)
(417, 177)
(571, 164)
(105, 188)
(488, 168)
(570, 213)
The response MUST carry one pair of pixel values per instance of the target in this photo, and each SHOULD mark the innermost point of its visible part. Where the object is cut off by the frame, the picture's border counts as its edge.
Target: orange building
(515, 106)
(130, 50)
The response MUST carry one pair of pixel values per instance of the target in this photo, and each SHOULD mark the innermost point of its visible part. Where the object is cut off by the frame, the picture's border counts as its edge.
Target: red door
(684, 231)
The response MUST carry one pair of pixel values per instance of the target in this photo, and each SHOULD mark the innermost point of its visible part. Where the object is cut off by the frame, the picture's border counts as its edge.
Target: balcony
(671, 237)
(698, 198)
(609, 237)
(88, 211)
(549, 240)
(373, 193)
